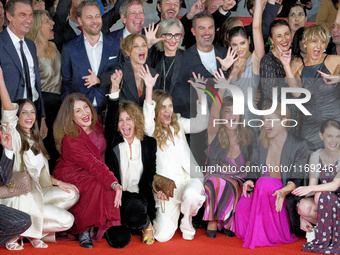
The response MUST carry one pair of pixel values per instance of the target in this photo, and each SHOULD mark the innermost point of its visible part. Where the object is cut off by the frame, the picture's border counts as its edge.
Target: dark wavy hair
(298, 36)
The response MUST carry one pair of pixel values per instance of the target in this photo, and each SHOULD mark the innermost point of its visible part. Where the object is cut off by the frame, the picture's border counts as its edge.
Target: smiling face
(126, 126)
(134, 19)
(331, 138)
(27, 117)
(315, 47)
(241, 45)
(82, 115)
(22, 20)
(336, 32)
(166, 112)
(281, 37)
(172, 45)
(90, 20)
(227, 114)
(169, 9)
(272, 125)
(204, 32)
(296, 18)
(46, 27)
(139, 51)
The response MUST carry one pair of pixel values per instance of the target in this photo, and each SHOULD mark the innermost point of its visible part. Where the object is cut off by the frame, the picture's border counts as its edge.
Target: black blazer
(128, 87)
(155, 61)
(294, 156)
(112, 157)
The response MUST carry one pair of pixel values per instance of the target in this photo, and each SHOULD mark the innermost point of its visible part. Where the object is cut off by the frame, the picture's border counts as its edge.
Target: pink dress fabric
(257, 222)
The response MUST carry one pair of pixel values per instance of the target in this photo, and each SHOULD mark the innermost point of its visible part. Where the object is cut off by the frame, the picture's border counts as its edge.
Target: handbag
(164, 184)
(19, 184)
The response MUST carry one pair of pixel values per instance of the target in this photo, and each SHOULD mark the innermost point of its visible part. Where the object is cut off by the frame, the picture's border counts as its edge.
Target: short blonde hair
(126, 44)
(164, 27)
(318, 31)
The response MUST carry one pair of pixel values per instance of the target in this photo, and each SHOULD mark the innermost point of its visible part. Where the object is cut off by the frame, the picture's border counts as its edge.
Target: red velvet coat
(80, 165)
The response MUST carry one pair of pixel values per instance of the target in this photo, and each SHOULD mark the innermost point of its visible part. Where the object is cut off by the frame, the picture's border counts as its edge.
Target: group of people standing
(94, 124)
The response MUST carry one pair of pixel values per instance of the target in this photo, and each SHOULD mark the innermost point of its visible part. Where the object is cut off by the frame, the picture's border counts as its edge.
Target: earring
(127, 58)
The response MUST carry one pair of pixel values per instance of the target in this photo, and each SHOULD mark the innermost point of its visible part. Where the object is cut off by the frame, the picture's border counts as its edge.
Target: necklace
(47, 52)
(166, 74)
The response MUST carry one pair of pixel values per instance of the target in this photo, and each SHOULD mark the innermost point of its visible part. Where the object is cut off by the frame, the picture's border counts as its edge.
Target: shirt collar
(13, 37)
(135, 141)
(126, 32)
(99, 41)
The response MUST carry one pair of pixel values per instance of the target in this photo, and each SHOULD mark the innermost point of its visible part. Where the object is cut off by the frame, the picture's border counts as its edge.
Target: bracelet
(114, 185)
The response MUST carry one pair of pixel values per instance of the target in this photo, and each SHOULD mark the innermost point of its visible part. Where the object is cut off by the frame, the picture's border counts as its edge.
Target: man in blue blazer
(20, 16)
(88, 56)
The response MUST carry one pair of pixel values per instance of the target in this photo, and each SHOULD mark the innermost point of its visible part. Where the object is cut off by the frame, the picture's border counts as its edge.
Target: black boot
(85, 240)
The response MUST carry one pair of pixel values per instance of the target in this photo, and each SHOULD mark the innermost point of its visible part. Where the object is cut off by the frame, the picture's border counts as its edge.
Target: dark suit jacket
(294, 156)
(191, 63)
(149, 148)
(128, 87)
(13, 72)
(6, 169)
(76, 64)
(155, 60)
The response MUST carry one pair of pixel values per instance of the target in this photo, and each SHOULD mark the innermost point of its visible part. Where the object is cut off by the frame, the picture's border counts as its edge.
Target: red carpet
(200, 245)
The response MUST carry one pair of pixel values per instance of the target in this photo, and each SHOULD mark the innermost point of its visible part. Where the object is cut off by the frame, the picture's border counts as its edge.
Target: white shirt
(16, 42)
(74, 26)
(131, 168)
(94, 54)
(126, 32)
(208, 60)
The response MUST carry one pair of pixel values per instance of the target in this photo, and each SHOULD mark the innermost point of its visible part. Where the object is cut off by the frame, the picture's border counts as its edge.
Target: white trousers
(166, 223)
(56, 216)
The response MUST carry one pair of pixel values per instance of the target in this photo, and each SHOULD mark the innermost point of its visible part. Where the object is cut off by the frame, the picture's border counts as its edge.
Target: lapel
(176, 71)
(10, 49)
(88, 143)
(80, 50)
(130, 82)
(105, 55)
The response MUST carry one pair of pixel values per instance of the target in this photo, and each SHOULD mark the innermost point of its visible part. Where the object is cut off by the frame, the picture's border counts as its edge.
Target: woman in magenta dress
(324, 208)
(266, 216)
(80, 140)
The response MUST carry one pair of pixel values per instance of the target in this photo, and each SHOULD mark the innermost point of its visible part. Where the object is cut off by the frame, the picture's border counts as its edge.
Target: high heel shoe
(13, 245)
(211, 233)
(37, 243)
(148, 240)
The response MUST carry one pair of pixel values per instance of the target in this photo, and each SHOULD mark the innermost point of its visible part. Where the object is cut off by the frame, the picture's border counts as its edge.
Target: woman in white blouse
(174, 159)
(46, 204)
(131, 155)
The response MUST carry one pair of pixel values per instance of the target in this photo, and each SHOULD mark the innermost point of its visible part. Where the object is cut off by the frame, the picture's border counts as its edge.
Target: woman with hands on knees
(80, 140)
(50, 198)
(324, 209)
(244, 65)
(131, 156)
(230, 147)
(266, 216)
(174, 158)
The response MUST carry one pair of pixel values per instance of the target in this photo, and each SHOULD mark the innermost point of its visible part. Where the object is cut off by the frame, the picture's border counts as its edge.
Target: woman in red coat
(80, 140)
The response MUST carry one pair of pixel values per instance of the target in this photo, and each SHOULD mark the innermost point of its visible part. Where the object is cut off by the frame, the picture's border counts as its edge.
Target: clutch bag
(164, 184)
(19, 184)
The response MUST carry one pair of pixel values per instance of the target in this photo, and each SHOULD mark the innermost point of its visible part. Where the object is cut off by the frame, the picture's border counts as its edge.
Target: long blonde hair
(64, 124)
(34, 33)
(160, 133)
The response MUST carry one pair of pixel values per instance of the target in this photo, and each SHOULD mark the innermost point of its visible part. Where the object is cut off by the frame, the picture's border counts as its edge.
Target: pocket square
(112, 57)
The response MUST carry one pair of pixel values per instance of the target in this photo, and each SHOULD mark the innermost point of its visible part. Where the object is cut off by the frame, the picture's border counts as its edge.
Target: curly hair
(64, 124)
(160, 133)
(135, 114)
(38, 145)
(244, 133)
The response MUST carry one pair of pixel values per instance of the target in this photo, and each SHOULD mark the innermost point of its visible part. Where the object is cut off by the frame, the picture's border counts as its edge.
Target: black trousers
(133, 217)
(12, 223)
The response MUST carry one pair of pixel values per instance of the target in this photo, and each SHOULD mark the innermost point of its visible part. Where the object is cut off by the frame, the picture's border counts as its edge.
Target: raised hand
(90, 80)
(145, 74)
(330, 78)
(285, 57)
(229, 60)
(6, 138)
(150, 34)
(220, 79)
(116, 78)
(195, 8)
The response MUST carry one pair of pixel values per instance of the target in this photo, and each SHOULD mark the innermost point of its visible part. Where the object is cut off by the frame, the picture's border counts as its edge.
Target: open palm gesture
(229, 60)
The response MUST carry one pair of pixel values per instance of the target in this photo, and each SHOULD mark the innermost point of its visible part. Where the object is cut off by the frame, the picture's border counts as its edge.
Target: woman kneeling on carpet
(131, 155)
(174, 159)
(324, 209)
(277, 166)
(46, 204)
(79, 138)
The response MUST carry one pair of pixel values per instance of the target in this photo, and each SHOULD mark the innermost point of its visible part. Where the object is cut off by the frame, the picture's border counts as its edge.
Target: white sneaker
(310, 236)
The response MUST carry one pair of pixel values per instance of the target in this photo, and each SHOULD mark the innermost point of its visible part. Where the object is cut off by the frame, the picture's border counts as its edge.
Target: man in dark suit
(12, 222)
(66, 30)
(88, 56)
(18, 58)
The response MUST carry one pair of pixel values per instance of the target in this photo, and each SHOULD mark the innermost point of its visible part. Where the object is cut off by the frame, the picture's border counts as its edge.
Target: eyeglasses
(169, 36)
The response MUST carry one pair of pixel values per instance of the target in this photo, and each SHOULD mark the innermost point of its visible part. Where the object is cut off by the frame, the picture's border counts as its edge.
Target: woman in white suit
(45, 203)
(174, 159)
